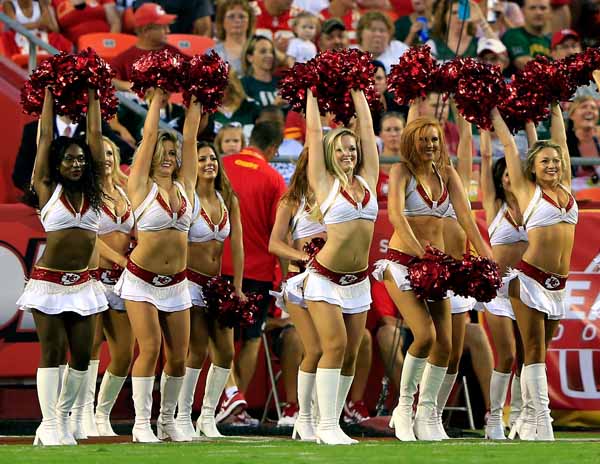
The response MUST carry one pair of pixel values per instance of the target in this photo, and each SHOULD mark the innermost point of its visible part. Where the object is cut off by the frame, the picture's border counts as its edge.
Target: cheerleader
(298, 217)
(216, 216)
(60, 293)
(509, 241)
(343, 175)
(153, 284)
(537, 283)
(422, 187)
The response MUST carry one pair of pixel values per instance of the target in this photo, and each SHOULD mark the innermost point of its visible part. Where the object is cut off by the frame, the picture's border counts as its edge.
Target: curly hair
(88, 184)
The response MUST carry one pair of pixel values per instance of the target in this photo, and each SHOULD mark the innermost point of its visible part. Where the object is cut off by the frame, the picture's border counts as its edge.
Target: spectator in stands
(374, 32)
(355, 409)
(392, 125)
(236, 107)
(234, 26)
(414, 29)
(302, 47)
(273, 21)
(347, 11)
(63, 126)
(230, 139)
(193, 16)
(583, 139)
(37, 17)
(312, 6)
(258, 65)
(503, 16)
(151, 27)
(387, 98)
(493, 51)
(560, 18)
(333, 35)
(78, 17)
(527, 42)
(565, 43)
(259, 188)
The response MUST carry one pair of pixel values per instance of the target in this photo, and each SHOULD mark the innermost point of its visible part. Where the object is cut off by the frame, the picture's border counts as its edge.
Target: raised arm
(558, 134)
(189, 152)
(237, 245)
(317, 172)
(368, 141)
(465, 218)
(93, 132)
(465, 149)
(413, 110)
(398, 180)
(487, 179)
(513, 162)
(532, 136)
(278, 243)
(40, 179)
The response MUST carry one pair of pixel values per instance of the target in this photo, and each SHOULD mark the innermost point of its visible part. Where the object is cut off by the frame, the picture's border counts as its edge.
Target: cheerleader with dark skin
(60, 294)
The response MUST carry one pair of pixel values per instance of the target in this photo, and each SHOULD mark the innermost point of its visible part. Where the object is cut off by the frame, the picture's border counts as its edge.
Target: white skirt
(196, 294)
(169, 299)
(460, 304)
(51, 298)
(500, 306)
(399, 273)
(114, 301)
(533, 294)
(311, 286)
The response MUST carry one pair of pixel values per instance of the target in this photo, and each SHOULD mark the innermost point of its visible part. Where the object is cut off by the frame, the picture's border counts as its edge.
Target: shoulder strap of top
(147, 201)
(335, 190)
(53, 199)
(533, 204)
(497, 219)
(363, 182)
(197, 207)
(299, 211)
(123, 194)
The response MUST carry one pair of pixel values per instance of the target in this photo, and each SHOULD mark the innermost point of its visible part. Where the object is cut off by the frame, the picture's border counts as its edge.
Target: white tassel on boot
(89, 420)
(537, 385)
(107, 396)
(47, 391)
(344, 386)
(402, 417)
(426, 415)
(494, 429)
(142, 388)
(186, 401)
(72, 383)
(215, 383)
(442, 399)
(303, 427)
(516, 400)
(327, 383)
(166, 428)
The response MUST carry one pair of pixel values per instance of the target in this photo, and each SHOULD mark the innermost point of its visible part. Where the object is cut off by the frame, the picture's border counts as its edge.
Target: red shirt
(382, 186)
(258, 187)
(123, 61)
(273, 27)
(350, 20)
(75, 22)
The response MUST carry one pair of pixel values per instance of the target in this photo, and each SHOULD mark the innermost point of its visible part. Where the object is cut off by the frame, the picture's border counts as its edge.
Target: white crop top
(303, 225)
(203, 229)
(543, 211)
(418, 203)
(154, 213)
(59, 214)
(109, 222)
(504, 230)
(339, 206)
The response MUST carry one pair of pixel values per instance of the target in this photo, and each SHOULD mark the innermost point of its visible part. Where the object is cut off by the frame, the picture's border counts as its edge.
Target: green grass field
(579, 449)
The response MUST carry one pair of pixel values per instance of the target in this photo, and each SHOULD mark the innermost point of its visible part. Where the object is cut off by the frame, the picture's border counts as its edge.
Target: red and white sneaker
(355, 413)
(235, 403)
(289, 414)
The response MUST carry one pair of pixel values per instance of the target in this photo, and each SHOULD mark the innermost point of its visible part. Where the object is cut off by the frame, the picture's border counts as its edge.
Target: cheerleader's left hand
(240, 294)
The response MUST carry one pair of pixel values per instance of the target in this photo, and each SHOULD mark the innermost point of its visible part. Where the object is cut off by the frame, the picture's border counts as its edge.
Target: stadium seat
(107, 44)
(592, 193)
(191, 44)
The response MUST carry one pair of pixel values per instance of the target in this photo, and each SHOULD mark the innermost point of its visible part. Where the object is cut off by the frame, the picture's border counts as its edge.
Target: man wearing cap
(565, 43)
(273, 20)
(527, 42)
(192, 16)
(333, 35)
(493, 51)
(151, 27)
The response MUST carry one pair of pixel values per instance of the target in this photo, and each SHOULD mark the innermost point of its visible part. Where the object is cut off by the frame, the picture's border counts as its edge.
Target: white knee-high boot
(402, 417)
(142, 388)
(47, 391)
(215, 383)
(494, 429)
(516, 400)
(537, 384)
(442, 399)
(107, 396)
(72, 383)
(327, 383)
(89, 420)
(76, 418)
(186, 401)
(303, 428)
(166, 428)
(343, 389)
(526, 425)
(426, 415)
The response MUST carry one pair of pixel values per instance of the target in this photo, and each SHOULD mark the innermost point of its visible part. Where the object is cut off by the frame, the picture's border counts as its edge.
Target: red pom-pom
(296, 82)
(476, 277)
(69, 76)
(447, 76)
(226, 306)
(429, 276)
(206, 78)
(314, 246)
(411, 77)
(580, 66)
(163, 69)
(479, 89)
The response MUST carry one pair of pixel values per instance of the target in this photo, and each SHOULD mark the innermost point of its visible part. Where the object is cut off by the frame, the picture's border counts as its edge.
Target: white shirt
(392, 54)
(301, 50)
(61, 127)
(313, 6)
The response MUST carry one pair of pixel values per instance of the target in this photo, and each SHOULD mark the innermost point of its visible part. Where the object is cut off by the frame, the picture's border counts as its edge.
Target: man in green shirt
(527, 42)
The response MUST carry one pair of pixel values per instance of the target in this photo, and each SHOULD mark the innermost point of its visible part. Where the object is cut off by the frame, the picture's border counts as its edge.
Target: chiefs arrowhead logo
(348, 279)
(161, 280)
(69, 278)
(551, 283)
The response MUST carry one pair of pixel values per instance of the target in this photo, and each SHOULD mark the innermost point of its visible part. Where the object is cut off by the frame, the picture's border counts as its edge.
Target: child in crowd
(230, 139)
(302, 47)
